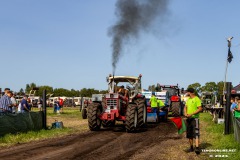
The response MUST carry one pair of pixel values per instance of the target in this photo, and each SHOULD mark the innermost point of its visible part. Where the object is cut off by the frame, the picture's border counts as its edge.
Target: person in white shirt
(14, 103)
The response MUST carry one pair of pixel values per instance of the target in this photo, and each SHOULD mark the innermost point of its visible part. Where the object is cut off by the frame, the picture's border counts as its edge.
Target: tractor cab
(131, 84)
(122, 91)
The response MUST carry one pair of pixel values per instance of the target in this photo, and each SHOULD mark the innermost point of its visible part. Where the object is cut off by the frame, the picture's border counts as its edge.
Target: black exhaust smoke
(133, 16)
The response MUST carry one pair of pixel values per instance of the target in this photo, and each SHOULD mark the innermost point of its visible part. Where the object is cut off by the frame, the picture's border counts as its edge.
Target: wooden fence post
(44, 110)
(227, 121)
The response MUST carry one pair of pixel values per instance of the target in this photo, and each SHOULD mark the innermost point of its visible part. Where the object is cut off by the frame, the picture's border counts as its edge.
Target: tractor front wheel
(84, 113)
(94, 122)
(176, 109)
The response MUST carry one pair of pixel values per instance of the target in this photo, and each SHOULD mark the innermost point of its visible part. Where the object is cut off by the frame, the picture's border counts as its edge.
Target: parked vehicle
(85, 103)
(208, 100)
(155, 116)
(77, 101)
(172, 98)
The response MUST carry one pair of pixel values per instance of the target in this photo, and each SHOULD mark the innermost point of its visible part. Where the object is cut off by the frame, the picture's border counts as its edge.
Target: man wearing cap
(5, 102)
(191, 111)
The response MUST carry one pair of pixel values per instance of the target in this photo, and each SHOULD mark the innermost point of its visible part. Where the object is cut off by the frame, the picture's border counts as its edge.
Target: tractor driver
(163, 108)
(123, 91)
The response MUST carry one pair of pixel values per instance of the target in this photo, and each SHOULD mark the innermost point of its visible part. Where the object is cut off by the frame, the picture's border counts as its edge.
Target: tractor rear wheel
(84, 113)
(176, 109)
(131, 118)
(142, 113)
(108, 123)
(94, 122)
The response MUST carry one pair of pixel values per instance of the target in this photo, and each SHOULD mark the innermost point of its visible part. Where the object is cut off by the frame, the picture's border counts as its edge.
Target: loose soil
(157, 141)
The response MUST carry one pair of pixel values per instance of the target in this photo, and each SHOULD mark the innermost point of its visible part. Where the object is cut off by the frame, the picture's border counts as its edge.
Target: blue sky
(65, 44)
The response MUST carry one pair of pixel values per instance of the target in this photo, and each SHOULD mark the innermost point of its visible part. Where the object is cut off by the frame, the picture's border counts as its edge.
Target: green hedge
(21, 122)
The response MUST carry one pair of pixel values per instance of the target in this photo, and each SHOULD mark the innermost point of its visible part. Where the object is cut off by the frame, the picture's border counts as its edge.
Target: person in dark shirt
(24, 105)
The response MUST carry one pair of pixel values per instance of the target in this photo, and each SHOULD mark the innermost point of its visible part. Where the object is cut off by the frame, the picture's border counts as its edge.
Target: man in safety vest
(160, 103)
(163, 107)
(154, 104)
(191, 111)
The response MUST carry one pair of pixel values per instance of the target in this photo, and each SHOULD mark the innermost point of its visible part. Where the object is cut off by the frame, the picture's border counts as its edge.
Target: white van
(50, 101)
(77, 101)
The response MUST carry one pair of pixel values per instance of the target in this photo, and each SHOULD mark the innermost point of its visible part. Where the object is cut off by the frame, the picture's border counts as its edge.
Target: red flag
(177, 121)
(180, 124)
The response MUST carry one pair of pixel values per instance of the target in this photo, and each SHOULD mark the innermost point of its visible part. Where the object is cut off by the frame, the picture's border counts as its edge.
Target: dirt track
(156, 142)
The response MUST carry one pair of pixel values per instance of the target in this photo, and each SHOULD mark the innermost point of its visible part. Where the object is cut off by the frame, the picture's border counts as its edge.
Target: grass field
(211, 134)
(72, 121)
(212, 137)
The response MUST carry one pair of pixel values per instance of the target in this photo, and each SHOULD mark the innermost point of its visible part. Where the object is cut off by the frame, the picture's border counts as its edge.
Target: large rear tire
(131, 118)
(84, 113)
(176, 109)
(94, 122)
(142, 113)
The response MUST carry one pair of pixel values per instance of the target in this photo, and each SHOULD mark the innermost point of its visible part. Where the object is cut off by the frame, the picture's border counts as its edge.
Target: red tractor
(172, 98)
(115, 106)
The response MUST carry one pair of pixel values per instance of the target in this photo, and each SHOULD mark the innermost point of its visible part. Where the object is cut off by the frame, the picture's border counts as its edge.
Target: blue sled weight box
(151, 117)
(57, 125)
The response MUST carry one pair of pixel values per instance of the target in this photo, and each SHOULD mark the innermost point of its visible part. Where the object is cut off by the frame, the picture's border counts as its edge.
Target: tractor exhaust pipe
(112, 91)
(111, 83)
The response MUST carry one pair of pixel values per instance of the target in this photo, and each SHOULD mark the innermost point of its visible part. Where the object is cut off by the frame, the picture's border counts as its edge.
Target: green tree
(29, 87)
(48, 89)
(61, 92)
(21, 92)
(220, 89)
(103, 91)
(75, 93)
(85, 92)
(65, 92)
(210, 87)
(152, 88)
(88, 92)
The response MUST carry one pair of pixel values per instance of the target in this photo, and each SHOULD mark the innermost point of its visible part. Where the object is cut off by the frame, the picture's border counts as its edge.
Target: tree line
(207, 87)
(84, 92)
(87, 92)
(214, 87)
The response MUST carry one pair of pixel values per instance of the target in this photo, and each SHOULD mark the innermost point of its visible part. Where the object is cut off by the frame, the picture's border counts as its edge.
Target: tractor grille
(111, 103)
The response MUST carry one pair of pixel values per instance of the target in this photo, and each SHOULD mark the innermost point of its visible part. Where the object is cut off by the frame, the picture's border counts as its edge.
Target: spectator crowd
(9, 103)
